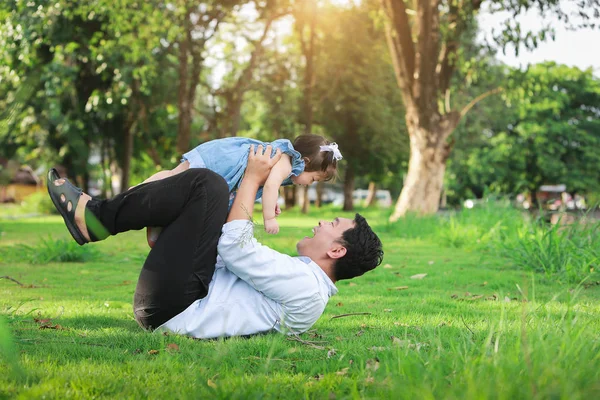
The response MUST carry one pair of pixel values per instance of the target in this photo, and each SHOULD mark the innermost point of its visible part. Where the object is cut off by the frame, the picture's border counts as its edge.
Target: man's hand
(257, 172)
(260, 164)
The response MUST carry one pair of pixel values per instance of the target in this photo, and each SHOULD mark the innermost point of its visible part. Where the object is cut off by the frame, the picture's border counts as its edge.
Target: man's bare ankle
(80, 215)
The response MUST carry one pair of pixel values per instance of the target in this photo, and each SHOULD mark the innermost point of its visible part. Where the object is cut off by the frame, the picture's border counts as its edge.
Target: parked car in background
(384, 197)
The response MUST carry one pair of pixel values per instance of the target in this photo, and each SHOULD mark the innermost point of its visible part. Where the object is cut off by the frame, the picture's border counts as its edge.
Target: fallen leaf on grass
(431, 262)
(387, 310)
(152, 352)
(360, 333)
(399, 342)
(369, 379)
(373, 364)
(352, 284)
(343, 371)
(590, 284)
(475, 297)
(172, 347)
(339, 304)
(57, 327)
(454, 296)
(507, 299)
(418, 276)
(211, 384)
(398, 288)
(407, 343)
(493, 297)
(387, 266)
(331, 353)
(484, 283)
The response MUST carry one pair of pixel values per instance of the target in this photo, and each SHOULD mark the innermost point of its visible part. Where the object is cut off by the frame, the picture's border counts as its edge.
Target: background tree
(357, 105)
(424, 43)
(553, 137)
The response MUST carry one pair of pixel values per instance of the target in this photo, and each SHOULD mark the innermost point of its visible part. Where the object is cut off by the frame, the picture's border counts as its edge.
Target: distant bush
(49, 250)
(568, 252)
(564, 252)
(38, 203)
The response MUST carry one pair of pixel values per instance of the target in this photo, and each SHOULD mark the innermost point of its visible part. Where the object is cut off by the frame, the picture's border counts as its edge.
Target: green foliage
(358, 104)
(38, 203)
(9, 353)
(48, 250)
(547, 133)
(564, 252)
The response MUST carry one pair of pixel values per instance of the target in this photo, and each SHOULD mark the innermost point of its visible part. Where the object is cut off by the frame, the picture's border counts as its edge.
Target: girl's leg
(191, 207)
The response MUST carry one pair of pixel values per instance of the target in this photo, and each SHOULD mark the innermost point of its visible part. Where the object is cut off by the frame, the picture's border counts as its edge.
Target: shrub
(568, 252)
(38, 203)
(49, 250)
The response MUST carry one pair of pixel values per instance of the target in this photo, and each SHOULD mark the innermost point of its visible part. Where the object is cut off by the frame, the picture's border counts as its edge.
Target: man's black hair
(364, 251)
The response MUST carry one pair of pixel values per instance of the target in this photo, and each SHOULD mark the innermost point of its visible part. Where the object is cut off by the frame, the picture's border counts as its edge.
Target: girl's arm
(280, 171)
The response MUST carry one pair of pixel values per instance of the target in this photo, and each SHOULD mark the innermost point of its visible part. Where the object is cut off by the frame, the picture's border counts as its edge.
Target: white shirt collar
(330, 285)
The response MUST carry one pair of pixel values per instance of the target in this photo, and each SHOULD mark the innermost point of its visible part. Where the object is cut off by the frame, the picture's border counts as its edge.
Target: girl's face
(307, 178)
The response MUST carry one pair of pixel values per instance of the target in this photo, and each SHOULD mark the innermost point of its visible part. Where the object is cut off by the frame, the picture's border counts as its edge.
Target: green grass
(476, 326)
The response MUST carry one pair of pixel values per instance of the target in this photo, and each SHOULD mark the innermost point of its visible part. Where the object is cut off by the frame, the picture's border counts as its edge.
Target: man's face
(326, 235)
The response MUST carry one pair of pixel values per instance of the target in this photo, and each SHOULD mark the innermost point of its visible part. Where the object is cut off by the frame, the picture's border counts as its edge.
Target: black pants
(192, 208)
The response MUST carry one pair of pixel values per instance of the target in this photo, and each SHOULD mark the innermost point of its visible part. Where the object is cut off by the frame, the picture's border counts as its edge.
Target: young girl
(310, 159)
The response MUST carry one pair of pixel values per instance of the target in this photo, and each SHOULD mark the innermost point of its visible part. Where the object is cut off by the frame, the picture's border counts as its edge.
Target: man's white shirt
(255, 289)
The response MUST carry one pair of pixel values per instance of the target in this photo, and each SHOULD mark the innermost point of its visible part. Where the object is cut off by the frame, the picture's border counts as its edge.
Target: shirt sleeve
(282, 278)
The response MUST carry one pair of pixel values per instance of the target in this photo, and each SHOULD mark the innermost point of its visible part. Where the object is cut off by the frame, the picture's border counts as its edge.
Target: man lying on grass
(250, 288)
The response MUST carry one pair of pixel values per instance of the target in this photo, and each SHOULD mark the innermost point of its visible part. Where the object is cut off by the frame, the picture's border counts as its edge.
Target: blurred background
(435, 105)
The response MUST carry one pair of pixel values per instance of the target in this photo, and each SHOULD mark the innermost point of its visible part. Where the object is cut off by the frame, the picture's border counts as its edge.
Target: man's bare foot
(79, 211)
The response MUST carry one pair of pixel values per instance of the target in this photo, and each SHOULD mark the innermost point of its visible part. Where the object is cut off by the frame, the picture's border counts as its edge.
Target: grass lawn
(473, 327)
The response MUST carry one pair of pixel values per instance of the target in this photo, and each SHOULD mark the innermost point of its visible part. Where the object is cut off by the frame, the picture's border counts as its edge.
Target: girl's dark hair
(308, 145)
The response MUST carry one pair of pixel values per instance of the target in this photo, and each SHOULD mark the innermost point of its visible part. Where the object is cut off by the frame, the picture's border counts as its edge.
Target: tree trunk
(234, 115)
(185, 109)
(348, 188)
(127, 155)
(290, 197)
(423, 184)
(305, 200)
(320, 190)
(371, 199)
(104, 161)
(308, 51)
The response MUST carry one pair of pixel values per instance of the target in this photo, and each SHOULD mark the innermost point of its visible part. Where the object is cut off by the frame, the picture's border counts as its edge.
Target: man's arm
(257, 172)
(277, 276)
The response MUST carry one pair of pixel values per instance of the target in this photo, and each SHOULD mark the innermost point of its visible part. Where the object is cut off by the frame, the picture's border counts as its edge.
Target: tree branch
(400, 43)
(428, 28)
(244, 80)
(477, 99)
(457, 25)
